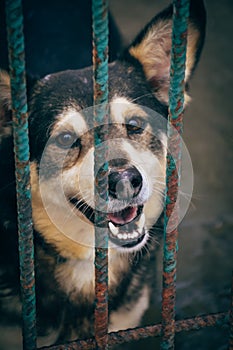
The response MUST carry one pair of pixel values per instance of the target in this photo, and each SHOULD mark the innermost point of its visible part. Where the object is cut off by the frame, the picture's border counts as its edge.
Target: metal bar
(100, 72)
(176, 101)
(14, 19)
(121, 337)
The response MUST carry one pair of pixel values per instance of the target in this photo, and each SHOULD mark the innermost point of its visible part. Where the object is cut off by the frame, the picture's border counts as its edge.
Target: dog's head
(62, 141)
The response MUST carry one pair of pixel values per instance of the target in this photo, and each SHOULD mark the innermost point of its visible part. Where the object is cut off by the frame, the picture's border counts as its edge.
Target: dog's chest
(76, 277)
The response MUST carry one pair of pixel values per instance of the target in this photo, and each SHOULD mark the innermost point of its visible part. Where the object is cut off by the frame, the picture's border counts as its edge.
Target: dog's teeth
(141, 222)
(113, 229)
(124, 236)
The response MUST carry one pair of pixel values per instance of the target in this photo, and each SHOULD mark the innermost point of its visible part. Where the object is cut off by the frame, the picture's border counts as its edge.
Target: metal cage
(169, 326)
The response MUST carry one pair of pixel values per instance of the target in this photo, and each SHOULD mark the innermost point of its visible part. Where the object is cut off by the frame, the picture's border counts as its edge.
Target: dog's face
(62, 145)
(136, 154)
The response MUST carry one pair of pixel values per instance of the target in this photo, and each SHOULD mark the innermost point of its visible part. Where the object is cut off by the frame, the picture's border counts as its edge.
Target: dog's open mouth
(126, 227)
(124, 216)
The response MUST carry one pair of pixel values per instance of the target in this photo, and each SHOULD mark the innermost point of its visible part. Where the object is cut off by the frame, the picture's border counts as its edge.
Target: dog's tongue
(124, 216)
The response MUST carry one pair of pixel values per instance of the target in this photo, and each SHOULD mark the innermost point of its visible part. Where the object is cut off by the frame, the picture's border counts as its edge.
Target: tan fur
(153, 53)
(65, 246)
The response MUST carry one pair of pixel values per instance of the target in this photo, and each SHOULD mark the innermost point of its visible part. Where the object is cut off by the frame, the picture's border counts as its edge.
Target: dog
(62, 183)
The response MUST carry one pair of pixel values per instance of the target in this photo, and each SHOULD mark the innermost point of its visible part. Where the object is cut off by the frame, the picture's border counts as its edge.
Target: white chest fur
(76, 277)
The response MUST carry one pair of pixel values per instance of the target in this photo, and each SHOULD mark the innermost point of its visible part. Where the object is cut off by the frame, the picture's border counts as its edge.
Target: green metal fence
(101, 340)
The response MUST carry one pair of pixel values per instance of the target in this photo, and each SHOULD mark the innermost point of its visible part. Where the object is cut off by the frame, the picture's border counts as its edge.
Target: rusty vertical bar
(14, 20)
(100, 72)
(176, 102)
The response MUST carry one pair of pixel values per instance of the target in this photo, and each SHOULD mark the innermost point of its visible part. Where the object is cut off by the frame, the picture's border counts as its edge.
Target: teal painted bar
(14, 19)
(100, 101)
(176, 102)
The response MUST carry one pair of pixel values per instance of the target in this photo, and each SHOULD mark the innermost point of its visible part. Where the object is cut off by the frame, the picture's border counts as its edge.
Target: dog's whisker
(159, 191)
(141, 96)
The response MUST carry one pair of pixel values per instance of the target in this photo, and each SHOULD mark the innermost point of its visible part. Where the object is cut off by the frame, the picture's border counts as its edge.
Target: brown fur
(156, 63)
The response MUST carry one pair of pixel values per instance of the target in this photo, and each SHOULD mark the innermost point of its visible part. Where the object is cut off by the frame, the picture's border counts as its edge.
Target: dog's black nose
(125, 184)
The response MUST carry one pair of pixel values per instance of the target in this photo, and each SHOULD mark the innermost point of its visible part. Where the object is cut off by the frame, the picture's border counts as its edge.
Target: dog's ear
(5, 104)
(153, 45)
(5, 101)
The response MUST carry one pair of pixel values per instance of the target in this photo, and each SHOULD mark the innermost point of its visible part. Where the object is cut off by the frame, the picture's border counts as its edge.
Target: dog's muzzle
(126, 226)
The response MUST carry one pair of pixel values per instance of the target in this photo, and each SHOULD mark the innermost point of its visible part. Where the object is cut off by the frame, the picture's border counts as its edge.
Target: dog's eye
(65, 139)
(135, 125)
